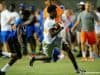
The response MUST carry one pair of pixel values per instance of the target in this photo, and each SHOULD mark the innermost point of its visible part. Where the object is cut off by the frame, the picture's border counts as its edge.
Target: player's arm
(77, 23)
(98, 22)
(54, 31)
(96, 18)
(75, 26)
(30, 20)
(9, 21)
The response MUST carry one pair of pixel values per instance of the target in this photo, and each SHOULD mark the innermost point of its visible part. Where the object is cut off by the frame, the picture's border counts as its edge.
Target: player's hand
(72, 30)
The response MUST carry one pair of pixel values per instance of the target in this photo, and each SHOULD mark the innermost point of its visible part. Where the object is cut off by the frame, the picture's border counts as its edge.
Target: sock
(6, 54)
(91, 54)
(83, 53)
(42, 58)
(5, 68)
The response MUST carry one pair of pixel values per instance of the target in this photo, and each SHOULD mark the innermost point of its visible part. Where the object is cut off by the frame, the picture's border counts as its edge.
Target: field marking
(90, 73)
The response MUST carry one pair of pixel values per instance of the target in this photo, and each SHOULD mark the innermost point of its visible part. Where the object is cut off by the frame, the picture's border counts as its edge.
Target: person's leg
(24, 48)
(15, 55)
(32, 44)
(73, 41)
(6, 47)
(9, 64)
(40, 48)
(98, 44)
(67, 49)
(42, 57)
(3, 53)
(37, 57)
(99, 47)
(83, 41)
(92, 43)
(5, 36)
(47, 54)
(91, 52)
(79, 44)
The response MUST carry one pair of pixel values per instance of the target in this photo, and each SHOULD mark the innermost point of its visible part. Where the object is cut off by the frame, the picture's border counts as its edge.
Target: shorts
(5, 36)
(29, 31)
(71, 37)
(15, 47)
(48, 48)
(89, 37)
(13, 34)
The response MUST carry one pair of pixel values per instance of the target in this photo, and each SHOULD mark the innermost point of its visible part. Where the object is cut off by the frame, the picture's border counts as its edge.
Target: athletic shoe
(32, 60)
(91, 59)
(2, 73)
(80, 71)
(84, 59)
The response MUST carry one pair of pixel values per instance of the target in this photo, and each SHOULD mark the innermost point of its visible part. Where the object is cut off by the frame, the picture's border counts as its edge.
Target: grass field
(63, 67)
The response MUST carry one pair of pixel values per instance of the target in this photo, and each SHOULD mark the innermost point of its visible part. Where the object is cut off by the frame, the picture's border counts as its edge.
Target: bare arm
(96, 17)
(98, 22)
(75, 26)
(29, 20)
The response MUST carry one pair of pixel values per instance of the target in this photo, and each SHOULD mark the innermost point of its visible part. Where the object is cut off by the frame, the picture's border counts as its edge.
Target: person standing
(87, 18)
(97, 29)
(5, 25)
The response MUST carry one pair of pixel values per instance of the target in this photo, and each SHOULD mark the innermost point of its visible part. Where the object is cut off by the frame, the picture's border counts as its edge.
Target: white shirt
(15, 16)
(97, 27)
(5, 16)
(67, 21)
(48, 24)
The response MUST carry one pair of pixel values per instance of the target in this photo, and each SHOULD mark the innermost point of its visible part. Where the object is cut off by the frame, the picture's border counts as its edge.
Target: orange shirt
(59, 13)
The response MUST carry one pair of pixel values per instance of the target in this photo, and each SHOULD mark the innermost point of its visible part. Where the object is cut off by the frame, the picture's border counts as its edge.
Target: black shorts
(71, 37)
(14, 46)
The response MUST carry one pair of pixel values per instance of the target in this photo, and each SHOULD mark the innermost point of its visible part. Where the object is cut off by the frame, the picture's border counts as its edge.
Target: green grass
(63, 67)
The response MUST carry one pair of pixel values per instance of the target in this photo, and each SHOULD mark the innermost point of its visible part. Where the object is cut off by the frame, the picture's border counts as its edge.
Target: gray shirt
(87, 20)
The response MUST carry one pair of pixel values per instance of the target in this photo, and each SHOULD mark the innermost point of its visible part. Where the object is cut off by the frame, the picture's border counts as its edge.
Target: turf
(63, 67)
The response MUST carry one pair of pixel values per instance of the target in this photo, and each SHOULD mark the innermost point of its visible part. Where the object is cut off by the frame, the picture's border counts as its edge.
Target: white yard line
(90, 73)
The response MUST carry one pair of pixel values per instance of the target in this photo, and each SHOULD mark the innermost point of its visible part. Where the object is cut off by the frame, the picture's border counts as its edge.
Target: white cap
(81, 3)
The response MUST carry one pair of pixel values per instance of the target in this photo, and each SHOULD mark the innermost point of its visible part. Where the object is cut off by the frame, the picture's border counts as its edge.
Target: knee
(18, 56)
(66, 47)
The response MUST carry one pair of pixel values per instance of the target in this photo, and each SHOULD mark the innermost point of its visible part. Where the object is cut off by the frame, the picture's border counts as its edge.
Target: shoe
(32, 60)
(80, 71)
(2, 73)
(84, 59)
(91, 59)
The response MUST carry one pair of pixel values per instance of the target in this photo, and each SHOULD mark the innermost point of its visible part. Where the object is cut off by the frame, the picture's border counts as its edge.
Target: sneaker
(91, 59)
(84, 59)
(32, 60)
(80, 71)
(2, 73)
